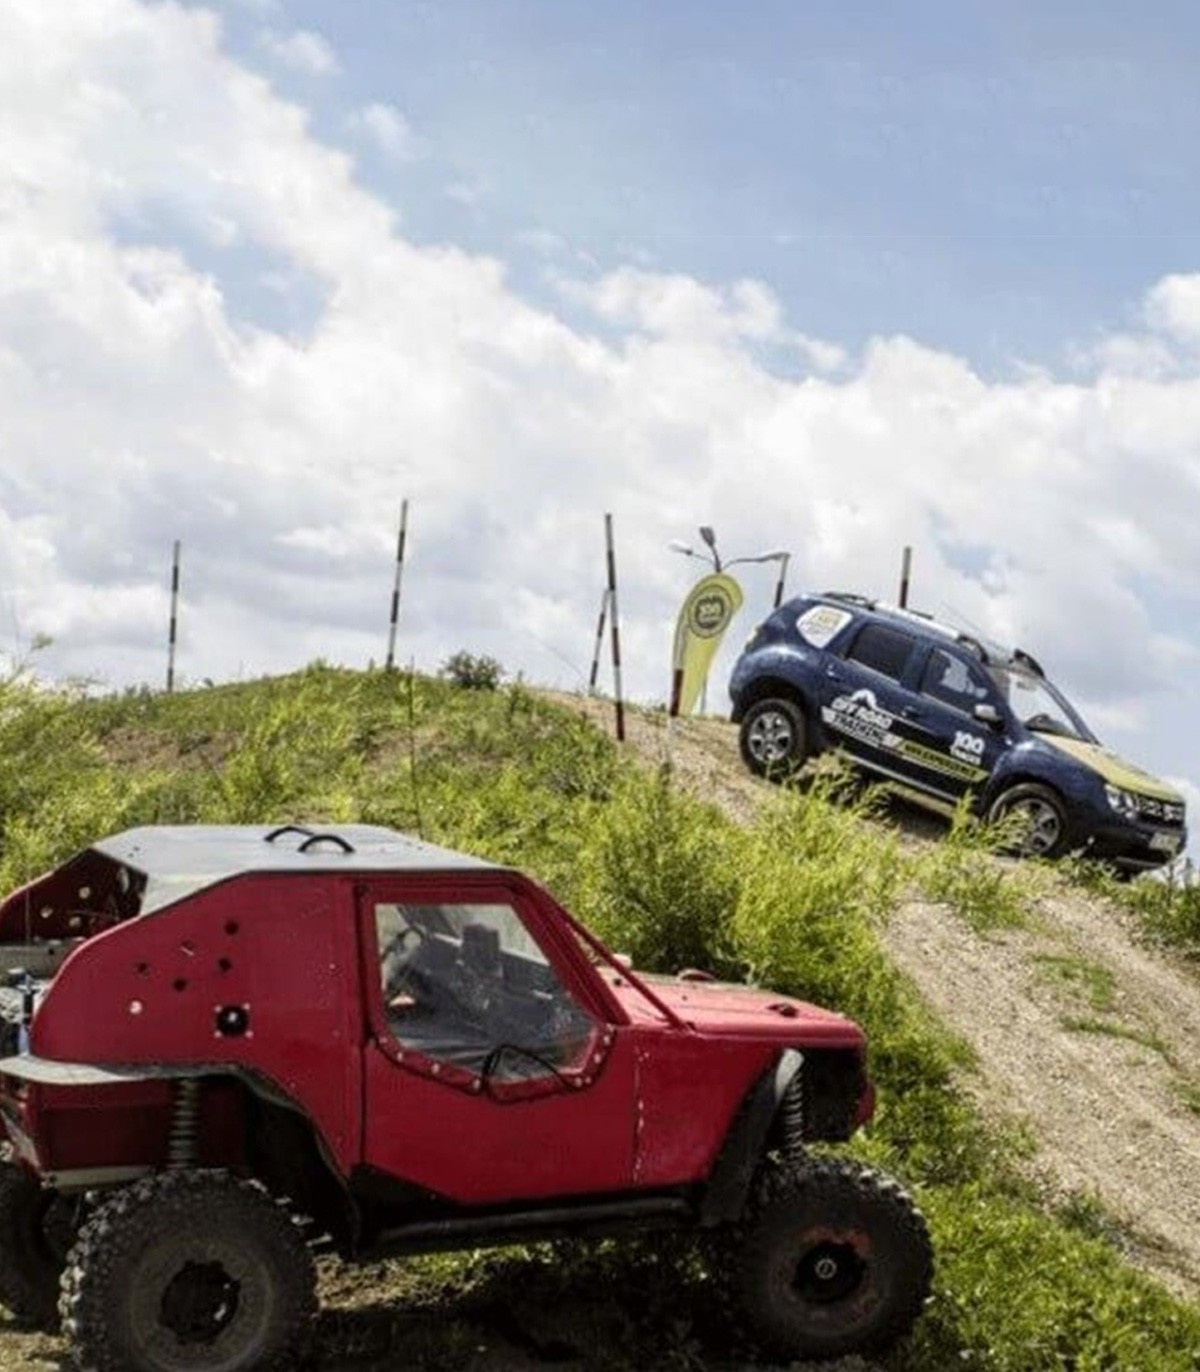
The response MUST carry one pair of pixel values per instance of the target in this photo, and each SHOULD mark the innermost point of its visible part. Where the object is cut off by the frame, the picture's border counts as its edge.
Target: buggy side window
(469, 985)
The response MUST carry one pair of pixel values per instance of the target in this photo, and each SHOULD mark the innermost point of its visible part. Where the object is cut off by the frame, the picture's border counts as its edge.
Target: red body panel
(477, 1150)
(149, 992)
(646, 1104)
(725, 1009)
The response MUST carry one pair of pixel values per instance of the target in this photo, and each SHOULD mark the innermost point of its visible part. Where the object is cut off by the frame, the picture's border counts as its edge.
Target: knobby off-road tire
(185, 1272)
(831, 1258)
(1042, 814)
(773, 738)
(37, 1227)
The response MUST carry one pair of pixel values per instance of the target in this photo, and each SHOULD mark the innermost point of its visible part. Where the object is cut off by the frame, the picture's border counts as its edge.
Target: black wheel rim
(828, 1272)
(199, 1303)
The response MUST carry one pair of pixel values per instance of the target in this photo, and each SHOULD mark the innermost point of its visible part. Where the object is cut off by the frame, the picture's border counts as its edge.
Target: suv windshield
(1039, 705)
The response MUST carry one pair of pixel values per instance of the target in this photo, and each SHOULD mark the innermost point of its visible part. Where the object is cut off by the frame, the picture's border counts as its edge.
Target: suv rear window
(882, 649)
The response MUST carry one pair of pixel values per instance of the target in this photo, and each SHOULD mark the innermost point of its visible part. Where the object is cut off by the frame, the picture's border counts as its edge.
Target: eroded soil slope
(1090, 1039)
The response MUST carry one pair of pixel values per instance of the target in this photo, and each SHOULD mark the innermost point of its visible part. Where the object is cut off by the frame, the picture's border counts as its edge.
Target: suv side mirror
(987, 714)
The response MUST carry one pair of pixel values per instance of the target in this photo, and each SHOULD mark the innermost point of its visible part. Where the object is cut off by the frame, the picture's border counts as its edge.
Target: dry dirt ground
(1087, 1038)
(1090, 1040)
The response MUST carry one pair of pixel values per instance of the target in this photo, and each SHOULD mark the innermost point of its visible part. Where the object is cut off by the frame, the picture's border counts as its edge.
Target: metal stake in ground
(595, 672)
(616, 631)
(905, 569)
(174, 619)
(395, 618)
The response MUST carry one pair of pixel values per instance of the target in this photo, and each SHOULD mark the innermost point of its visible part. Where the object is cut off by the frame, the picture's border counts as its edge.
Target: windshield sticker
(822, 624)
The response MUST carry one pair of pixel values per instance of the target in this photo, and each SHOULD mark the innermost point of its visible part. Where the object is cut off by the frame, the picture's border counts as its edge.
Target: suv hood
(717, 1007)
(1112, 768)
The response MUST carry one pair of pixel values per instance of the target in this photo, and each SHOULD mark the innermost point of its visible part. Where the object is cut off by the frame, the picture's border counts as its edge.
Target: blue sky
(1001, 180)
(833, 278)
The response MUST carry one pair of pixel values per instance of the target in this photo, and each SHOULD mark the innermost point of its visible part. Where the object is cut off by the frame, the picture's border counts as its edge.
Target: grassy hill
(795, 898)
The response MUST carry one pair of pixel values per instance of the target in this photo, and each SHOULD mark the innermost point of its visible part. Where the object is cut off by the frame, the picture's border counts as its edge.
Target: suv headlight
(1125, 803)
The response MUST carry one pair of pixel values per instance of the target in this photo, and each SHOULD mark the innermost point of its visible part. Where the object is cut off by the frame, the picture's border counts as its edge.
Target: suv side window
(954, 682)
(882, 649)
(468, 984)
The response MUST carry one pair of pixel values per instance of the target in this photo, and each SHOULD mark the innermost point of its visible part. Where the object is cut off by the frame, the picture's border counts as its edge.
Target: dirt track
(1113, 1102)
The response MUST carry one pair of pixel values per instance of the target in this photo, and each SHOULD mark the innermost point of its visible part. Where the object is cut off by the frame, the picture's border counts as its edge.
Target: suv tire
(774, 737)
(1043, 814)
(188, 1270)
(832, 1258)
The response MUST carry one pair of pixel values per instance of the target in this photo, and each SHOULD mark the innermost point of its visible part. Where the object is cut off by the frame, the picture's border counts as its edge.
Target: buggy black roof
(178, 860)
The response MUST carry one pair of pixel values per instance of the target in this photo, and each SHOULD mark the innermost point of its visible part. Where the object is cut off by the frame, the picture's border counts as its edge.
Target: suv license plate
(1165, 843)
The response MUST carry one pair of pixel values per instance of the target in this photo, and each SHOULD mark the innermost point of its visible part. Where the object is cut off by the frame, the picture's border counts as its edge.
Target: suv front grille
(1161, 811)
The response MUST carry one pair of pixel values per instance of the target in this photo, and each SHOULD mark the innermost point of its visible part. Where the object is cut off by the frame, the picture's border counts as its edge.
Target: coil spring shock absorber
(791, 1113)
(183, 1141)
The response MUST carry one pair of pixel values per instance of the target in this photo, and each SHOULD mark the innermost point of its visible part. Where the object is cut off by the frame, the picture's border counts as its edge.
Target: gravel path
(1090, 1039)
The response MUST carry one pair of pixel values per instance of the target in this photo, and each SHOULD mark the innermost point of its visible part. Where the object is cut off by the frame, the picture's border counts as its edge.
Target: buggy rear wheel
(833, 1258)
(37, 1228)
(187, 1272)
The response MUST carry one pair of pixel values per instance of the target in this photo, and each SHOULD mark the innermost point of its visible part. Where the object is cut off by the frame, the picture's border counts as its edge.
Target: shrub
(473, 673)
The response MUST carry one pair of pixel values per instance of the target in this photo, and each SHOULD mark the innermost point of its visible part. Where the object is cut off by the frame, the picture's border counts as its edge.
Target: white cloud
(389, 130)
(140, 404)
(302, 50)
(1173, 307)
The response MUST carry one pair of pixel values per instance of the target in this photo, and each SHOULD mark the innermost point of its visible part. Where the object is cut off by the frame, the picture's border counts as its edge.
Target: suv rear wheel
(774, 737)
(1040, 819)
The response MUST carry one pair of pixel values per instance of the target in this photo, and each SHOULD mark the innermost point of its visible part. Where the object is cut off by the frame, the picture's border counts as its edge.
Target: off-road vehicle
(939, 713)
(231, 1046)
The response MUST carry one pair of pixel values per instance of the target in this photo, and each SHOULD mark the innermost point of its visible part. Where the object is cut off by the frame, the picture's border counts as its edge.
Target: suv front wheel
(774, 737)
(1039, 819)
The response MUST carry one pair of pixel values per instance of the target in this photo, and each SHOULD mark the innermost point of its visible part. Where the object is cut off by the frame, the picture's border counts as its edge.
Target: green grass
(961, 871)
(1106, 1028)
(1081, 976)
(795, 900)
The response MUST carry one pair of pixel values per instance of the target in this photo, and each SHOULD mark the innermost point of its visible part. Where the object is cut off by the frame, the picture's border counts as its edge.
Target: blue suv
(940, 714)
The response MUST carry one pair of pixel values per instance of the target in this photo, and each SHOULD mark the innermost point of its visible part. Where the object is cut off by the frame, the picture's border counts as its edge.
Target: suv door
(496, 1068)
(863, 700)
(958, 749)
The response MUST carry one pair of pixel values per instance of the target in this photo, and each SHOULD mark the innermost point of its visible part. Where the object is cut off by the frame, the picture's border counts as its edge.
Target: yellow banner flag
(706, 614)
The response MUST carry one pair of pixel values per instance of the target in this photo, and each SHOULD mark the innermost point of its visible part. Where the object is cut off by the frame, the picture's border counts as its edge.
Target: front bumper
(1135, 846)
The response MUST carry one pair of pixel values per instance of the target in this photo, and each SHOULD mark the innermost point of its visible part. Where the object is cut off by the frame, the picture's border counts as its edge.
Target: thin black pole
(395, 616)
(595, 672)
(784, 559)
(616, 631)
(174, 630)
(905, 570)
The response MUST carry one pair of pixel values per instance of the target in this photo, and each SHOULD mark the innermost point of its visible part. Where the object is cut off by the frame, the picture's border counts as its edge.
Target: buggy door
(497, 1069)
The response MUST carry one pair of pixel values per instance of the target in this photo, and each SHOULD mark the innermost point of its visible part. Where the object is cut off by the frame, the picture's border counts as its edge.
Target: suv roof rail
(849, 598)
(1028, 660)
(973, 645)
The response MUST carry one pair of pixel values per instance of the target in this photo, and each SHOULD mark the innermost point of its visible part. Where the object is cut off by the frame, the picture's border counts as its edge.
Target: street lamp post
(713, 557)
